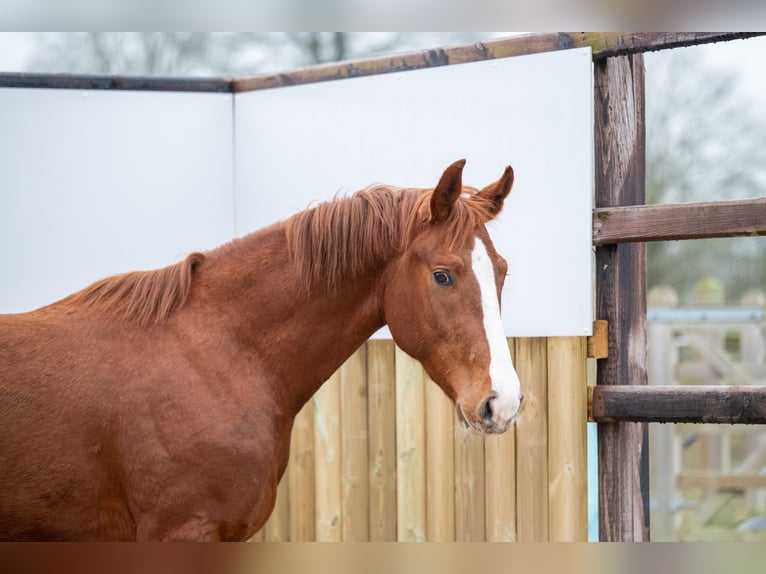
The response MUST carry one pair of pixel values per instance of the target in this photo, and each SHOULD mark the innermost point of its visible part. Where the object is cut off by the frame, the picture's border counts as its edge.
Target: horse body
(159, 405)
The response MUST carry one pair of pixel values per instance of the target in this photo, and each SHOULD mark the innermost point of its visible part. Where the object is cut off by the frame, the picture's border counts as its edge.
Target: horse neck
(298, 336)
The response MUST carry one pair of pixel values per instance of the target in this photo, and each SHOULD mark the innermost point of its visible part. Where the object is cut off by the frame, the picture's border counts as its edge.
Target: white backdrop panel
(299, 145)
(94, 183)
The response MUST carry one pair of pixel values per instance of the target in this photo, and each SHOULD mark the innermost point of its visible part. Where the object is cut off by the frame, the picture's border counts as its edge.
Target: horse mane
(147, 297)
(338, 239)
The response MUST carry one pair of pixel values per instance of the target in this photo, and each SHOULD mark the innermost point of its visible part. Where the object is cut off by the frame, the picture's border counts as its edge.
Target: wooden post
(353, 424)
(469, 487)
(410, 449)
(327, 449)
(277, 528)
(532, 441)
(440, 465)
(381, 424)
(567, 440)
(620, 156)
(301, 476)
(500, 461)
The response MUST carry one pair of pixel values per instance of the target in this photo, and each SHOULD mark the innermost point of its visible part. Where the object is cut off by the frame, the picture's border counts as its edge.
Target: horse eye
(443, 278)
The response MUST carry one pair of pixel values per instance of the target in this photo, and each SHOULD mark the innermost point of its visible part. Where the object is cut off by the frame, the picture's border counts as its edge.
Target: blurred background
(706, 141)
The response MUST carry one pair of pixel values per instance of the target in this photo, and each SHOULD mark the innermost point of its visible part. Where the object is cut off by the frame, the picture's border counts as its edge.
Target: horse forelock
(342, 238)
(147, 297)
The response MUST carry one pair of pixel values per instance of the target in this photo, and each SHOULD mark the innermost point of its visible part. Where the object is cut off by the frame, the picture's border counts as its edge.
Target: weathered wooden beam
(621, 295)
(702, 479)
(738, 218)
(604, 44)
(723, 404)
(102, 82)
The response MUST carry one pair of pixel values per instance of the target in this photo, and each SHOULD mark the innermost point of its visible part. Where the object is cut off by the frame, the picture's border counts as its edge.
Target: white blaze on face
(505, 381)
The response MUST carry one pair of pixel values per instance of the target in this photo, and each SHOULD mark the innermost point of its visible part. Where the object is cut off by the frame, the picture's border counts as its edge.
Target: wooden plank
(105, 82)
(440, 465)
(621, 294)
(723, 404)
(410, 449)
(381, 424)
(301, 476)
(500, 461)
(718, 481)
(327, 458)
(598, 342)
(604, 44)
(567, 440)
(532, 441)
(744, 217)
(353, 424)
(277, 527)
(470, 496)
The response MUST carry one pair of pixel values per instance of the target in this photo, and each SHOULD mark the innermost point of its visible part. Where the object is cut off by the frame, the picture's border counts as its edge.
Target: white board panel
(303, 144)
(94, 183)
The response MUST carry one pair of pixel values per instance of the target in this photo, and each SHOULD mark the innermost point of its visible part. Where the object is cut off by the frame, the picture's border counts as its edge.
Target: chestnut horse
(158, 405)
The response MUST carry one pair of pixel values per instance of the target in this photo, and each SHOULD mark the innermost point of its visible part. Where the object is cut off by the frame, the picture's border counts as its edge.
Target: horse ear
(447, 191)
(497, 192)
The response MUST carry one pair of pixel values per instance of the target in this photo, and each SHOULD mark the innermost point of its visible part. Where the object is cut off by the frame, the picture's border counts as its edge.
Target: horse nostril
(485, 412)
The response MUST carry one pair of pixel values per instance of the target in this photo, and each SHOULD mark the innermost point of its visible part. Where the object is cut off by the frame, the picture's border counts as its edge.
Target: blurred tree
(706, 141)
(219, 53)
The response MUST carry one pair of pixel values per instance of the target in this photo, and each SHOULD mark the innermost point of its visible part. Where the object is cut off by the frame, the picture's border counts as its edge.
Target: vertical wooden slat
(301, 476)
(257, 537)
(621, 294)
(410, 449)
(532, 442)
(500, 460)
(470, 497)
(567, 440)
(381, 413)
(440, 465)
(277, 527)
(355, 480)
(327, 448)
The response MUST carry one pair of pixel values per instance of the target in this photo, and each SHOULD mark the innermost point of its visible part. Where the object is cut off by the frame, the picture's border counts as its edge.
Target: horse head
(442, 300)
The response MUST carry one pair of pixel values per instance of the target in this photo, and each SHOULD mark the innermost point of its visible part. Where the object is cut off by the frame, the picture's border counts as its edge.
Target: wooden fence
(377, 455)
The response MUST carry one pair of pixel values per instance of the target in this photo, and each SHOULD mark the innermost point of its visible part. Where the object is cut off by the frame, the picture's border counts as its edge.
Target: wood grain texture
(470, 522)
(604, 44)
(327, 459)
(353, 431)
(721, 404)
(532, 441)
(119, 83)
(745, 217)
(567, 440)
(598, 342)
(410, 449)
(440, 465)
(381, 425)
(500, 477)
(301, 476)
(277, 527)
(621, 294)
